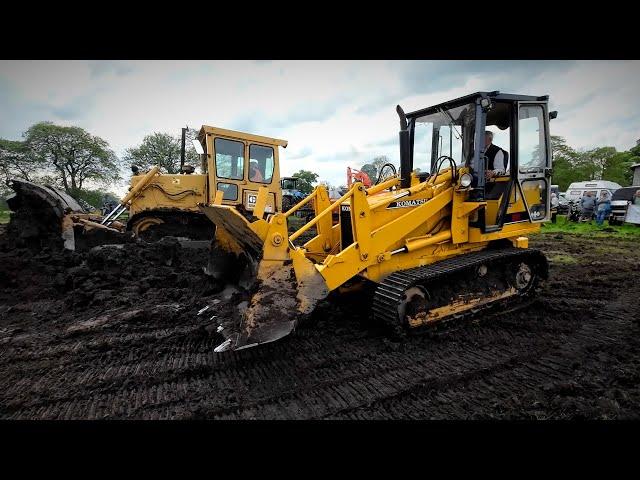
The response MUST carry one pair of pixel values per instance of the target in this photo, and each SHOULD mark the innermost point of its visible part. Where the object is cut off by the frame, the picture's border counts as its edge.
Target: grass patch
(4, 216)
(563, 258)
(563, 225)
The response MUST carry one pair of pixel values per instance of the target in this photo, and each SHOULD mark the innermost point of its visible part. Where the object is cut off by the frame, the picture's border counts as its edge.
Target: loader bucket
(50, 207)
(285, 285)
(236, 249)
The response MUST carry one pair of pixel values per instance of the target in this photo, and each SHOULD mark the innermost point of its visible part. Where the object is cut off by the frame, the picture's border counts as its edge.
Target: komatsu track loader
(445, 238)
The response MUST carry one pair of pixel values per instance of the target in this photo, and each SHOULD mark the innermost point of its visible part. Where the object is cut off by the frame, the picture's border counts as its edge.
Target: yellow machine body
(410, 221)
(378, 231)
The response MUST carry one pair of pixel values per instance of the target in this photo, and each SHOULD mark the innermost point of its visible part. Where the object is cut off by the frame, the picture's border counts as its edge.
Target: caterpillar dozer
(445, 238)
(233, 164)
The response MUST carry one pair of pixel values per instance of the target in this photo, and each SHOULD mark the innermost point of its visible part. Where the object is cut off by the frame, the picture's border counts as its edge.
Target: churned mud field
(114, 332)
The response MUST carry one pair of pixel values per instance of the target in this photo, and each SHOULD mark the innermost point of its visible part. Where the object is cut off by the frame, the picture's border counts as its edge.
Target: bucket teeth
(224, 346)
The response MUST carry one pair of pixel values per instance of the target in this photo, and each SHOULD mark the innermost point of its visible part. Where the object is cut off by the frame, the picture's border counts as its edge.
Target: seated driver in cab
(497, 158)
(255, 175)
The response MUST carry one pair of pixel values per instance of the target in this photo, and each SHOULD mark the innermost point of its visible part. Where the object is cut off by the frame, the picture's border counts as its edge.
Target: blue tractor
(291, 193)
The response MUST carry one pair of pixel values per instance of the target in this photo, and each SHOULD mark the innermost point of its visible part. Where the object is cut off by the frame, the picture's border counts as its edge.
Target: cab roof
(495, 95)
(250, 137)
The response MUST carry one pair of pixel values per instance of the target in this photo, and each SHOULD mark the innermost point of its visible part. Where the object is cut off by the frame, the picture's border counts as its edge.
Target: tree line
(569, 164)
(84, 165)
(601, 163)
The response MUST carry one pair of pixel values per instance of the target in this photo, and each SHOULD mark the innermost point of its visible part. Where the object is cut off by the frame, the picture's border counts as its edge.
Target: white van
(576, 189)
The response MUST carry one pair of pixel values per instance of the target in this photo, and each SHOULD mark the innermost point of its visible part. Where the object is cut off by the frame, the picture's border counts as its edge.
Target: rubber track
(389, 294)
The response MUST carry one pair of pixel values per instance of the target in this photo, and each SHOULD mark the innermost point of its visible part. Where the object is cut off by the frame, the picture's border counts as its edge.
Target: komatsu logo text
(407, 203)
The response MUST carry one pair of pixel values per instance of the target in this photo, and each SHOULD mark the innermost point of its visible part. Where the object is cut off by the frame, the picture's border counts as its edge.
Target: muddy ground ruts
(114, 333)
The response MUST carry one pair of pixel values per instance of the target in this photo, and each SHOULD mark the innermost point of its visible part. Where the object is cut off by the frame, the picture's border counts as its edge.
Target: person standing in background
(603, 206)
(587, 206)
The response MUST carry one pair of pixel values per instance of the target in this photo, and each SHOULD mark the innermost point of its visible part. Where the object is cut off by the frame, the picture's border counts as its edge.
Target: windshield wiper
(452, 124)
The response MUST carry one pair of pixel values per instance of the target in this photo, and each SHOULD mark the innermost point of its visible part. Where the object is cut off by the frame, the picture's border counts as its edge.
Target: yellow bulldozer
(236, 166)
(445, 238)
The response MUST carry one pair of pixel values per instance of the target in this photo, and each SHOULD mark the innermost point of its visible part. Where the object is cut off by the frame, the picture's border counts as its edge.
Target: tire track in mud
(555, 370)
(271, 380)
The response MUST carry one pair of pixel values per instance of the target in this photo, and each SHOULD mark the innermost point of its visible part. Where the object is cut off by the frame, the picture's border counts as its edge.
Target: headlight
(465, 180)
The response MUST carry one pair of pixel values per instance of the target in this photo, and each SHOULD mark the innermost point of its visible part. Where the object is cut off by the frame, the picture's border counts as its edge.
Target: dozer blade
(52, 208)
(286, 285)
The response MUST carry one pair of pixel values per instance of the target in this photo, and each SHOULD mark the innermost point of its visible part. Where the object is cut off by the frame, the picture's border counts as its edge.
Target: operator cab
(289, 183)
(238, 164)
(510, 167)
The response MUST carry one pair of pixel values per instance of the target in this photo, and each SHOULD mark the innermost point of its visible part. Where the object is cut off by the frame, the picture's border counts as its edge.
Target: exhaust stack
(405, 151)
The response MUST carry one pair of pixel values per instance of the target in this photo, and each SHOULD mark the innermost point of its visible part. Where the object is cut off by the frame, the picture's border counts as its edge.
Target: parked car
(563, 205)
(620, 202)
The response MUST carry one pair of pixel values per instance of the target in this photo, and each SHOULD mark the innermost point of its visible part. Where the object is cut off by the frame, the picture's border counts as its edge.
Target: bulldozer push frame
(439, 244)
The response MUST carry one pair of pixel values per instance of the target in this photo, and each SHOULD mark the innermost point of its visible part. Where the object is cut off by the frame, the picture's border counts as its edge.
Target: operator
(497, 158)
(497, 166)
(255, 175)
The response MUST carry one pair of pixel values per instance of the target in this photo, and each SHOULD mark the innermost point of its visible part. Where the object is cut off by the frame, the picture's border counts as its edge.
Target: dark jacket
(491, 153)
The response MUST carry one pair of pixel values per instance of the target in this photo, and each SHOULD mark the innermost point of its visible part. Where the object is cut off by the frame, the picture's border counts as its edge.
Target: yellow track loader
(445, 238)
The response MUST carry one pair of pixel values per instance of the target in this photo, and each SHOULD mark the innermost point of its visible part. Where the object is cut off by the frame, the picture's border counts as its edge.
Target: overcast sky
(333, 113)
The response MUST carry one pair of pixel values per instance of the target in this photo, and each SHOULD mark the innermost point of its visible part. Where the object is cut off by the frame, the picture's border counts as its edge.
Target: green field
(562, 225)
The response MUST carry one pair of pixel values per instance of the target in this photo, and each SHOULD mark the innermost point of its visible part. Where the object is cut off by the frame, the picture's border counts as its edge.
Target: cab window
(229, 159)
(531, 139)
(260, 164)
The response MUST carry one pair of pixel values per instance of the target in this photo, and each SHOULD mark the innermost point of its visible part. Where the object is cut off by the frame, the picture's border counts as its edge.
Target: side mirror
(553, 115)
(198, 146)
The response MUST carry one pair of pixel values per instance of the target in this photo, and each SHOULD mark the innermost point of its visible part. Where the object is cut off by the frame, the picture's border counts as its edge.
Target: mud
(114, 332)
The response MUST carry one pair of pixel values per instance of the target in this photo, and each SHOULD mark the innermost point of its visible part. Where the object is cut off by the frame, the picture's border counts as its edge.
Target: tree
(164, 150)
(569, 165)
(73, 153)
(370, 170)
(618, 167)
(96, 198)
(307, 179)
(379, 162)
(604, 163)
(560, 149)
(16, 162)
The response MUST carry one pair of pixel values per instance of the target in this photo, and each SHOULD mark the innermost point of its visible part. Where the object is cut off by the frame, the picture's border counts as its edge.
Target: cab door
(534, 159)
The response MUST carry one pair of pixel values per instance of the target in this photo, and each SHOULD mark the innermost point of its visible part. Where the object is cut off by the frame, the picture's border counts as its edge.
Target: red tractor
(354, 175)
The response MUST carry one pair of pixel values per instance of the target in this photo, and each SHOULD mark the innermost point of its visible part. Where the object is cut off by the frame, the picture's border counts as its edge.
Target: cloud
(107, 67)
(333, 113)
(301, 153)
